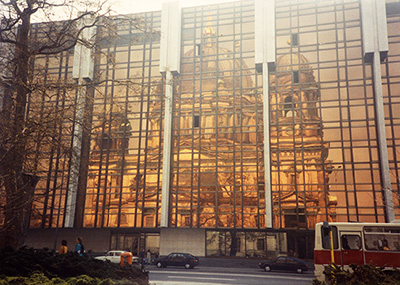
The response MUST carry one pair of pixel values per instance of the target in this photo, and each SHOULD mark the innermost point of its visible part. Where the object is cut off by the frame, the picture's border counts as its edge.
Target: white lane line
(203, 278)
(236, 274)
(160, 282)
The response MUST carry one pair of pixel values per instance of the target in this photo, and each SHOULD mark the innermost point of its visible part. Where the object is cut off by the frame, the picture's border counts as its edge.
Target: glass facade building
(327, 160)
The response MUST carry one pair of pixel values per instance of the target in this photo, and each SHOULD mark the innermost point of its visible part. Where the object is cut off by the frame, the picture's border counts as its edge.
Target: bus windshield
(326, 242)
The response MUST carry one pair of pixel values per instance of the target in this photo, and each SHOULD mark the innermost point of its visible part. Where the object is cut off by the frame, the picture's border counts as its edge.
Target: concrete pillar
(82, 72)
(375, 47)
(265, 62)
(170, 56)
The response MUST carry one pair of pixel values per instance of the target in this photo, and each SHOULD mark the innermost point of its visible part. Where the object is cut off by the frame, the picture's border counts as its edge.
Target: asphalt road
(220, 275)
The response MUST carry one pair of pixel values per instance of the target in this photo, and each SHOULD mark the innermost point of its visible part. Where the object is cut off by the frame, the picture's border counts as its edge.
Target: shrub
(76, 269)
(360, 274)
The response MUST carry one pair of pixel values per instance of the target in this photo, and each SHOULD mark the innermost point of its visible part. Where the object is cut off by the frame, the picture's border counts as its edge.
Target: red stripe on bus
(383, 258)
(324, 257)
(377, 258)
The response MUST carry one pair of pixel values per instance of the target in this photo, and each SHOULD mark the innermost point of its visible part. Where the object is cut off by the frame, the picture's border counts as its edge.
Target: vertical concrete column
(170, 56)
(265, 62)
(375, 47)
(83, 73)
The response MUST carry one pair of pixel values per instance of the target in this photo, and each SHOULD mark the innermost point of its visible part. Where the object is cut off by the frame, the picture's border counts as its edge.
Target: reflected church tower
(117, 182)
(299, 166)
(109, 151)
(216, 136)
(217, 176)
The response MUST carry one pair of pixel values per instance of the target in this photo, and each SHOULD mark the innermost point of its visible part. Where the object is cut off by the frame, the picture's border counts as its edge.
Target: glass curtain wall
(391, 97)
(324, 152)
(125, 160)
(50, 108)
(217, 147)
(325, 163)
(245, 243)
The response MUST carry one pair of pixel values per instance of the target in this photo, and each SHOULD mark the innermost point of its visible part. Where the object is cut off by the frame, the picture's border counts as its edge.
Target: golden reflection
(217, 141)
(120, 192)
(300, 170)
(217, 150)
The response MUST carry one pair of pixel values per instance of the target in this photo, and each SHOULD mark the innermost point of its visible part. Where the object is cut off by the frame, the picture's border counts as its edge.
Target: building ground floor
(200, 242)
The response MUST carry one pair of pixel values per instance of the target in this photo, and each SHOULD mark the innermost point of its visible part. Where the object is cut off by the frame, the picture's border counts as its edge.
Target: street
(223, 275)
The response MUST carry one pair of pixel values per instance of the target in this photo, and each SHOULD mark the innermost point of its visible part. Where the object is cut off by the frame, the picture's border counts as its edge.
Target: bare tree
(28, 135)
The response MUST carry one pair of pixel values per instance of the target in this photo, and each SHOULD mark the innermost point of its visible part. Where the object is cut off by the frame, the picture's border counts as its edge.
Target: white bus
(358, 243)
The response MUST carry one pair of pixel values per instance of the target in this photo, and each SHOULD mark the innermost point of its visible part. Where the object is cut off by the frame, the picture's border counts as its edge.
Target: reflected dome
(216, 66)
(291, 66)
(291, 62)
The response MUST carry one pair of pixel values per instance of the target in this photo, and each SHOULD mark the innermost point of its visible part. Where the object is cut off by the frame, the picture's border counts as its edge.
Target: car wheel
(299, 270)
(267, 268)
(188, 266)
(159, 264)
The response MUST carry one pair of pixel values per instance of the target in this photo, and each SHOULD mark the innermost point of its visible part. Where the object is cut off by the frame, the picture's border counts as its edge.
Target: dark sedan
(287, 263)
(177, 259)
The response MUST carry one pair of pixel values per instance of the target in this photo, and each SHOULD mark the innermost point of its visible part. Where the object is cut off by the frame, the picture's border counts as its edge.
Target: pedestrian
(80, 248)
(63, 248)
(148, 256)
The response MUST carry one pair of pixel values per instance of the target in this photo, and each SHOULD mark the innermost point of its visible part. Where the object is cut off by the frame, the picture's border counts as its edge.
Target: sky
(122, 7)
(137, 6)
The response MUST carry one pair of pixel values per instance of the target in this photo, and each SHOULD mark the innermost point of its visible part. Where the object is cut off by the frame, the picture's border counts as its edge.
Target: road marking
(160, 282)
(236, 274)
(203, 278)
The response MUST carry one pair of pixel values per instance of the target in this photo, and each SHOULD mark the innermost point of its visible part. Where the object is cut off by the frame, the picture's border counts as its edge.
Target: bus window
(371, 242)
(326, 242)
(351, 242)
(383, 238)
(382, 242)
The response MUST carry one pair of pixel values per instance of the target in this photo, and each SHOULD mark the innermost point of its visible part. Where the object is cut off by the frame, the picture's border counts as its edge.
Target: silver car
(114, 256)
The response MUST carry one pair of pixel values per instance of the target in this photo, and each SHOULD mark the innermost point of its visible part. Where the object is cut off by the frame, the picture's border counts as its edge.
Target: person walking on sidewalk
(80, 248)
(148, 256)
(63, 249)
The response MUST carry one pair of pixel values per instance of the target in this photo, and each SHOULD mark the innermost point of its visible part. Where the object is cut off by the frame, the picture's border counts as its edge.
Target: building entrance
(130, 242)
(137, 243)
(301, 244)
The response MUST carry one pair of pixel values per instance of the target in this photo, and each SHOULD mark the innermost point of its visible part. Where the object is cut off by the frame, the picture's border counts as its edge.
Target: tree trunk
(19, 186)
(19, 195)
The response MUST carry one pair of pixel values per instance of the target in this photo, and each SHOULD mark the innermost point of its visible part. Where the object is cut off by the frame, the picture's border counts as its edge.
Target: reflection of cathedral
(180, 156)
(300, 171)
(217, 136)
(209, 140)
(115, 197)
(110, 144)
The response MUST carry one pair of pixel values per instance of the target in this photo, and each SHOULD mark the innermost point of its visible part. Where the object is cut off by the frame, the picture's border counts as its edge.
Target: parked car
(177, 259)
(288, 263)
(114, 256)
